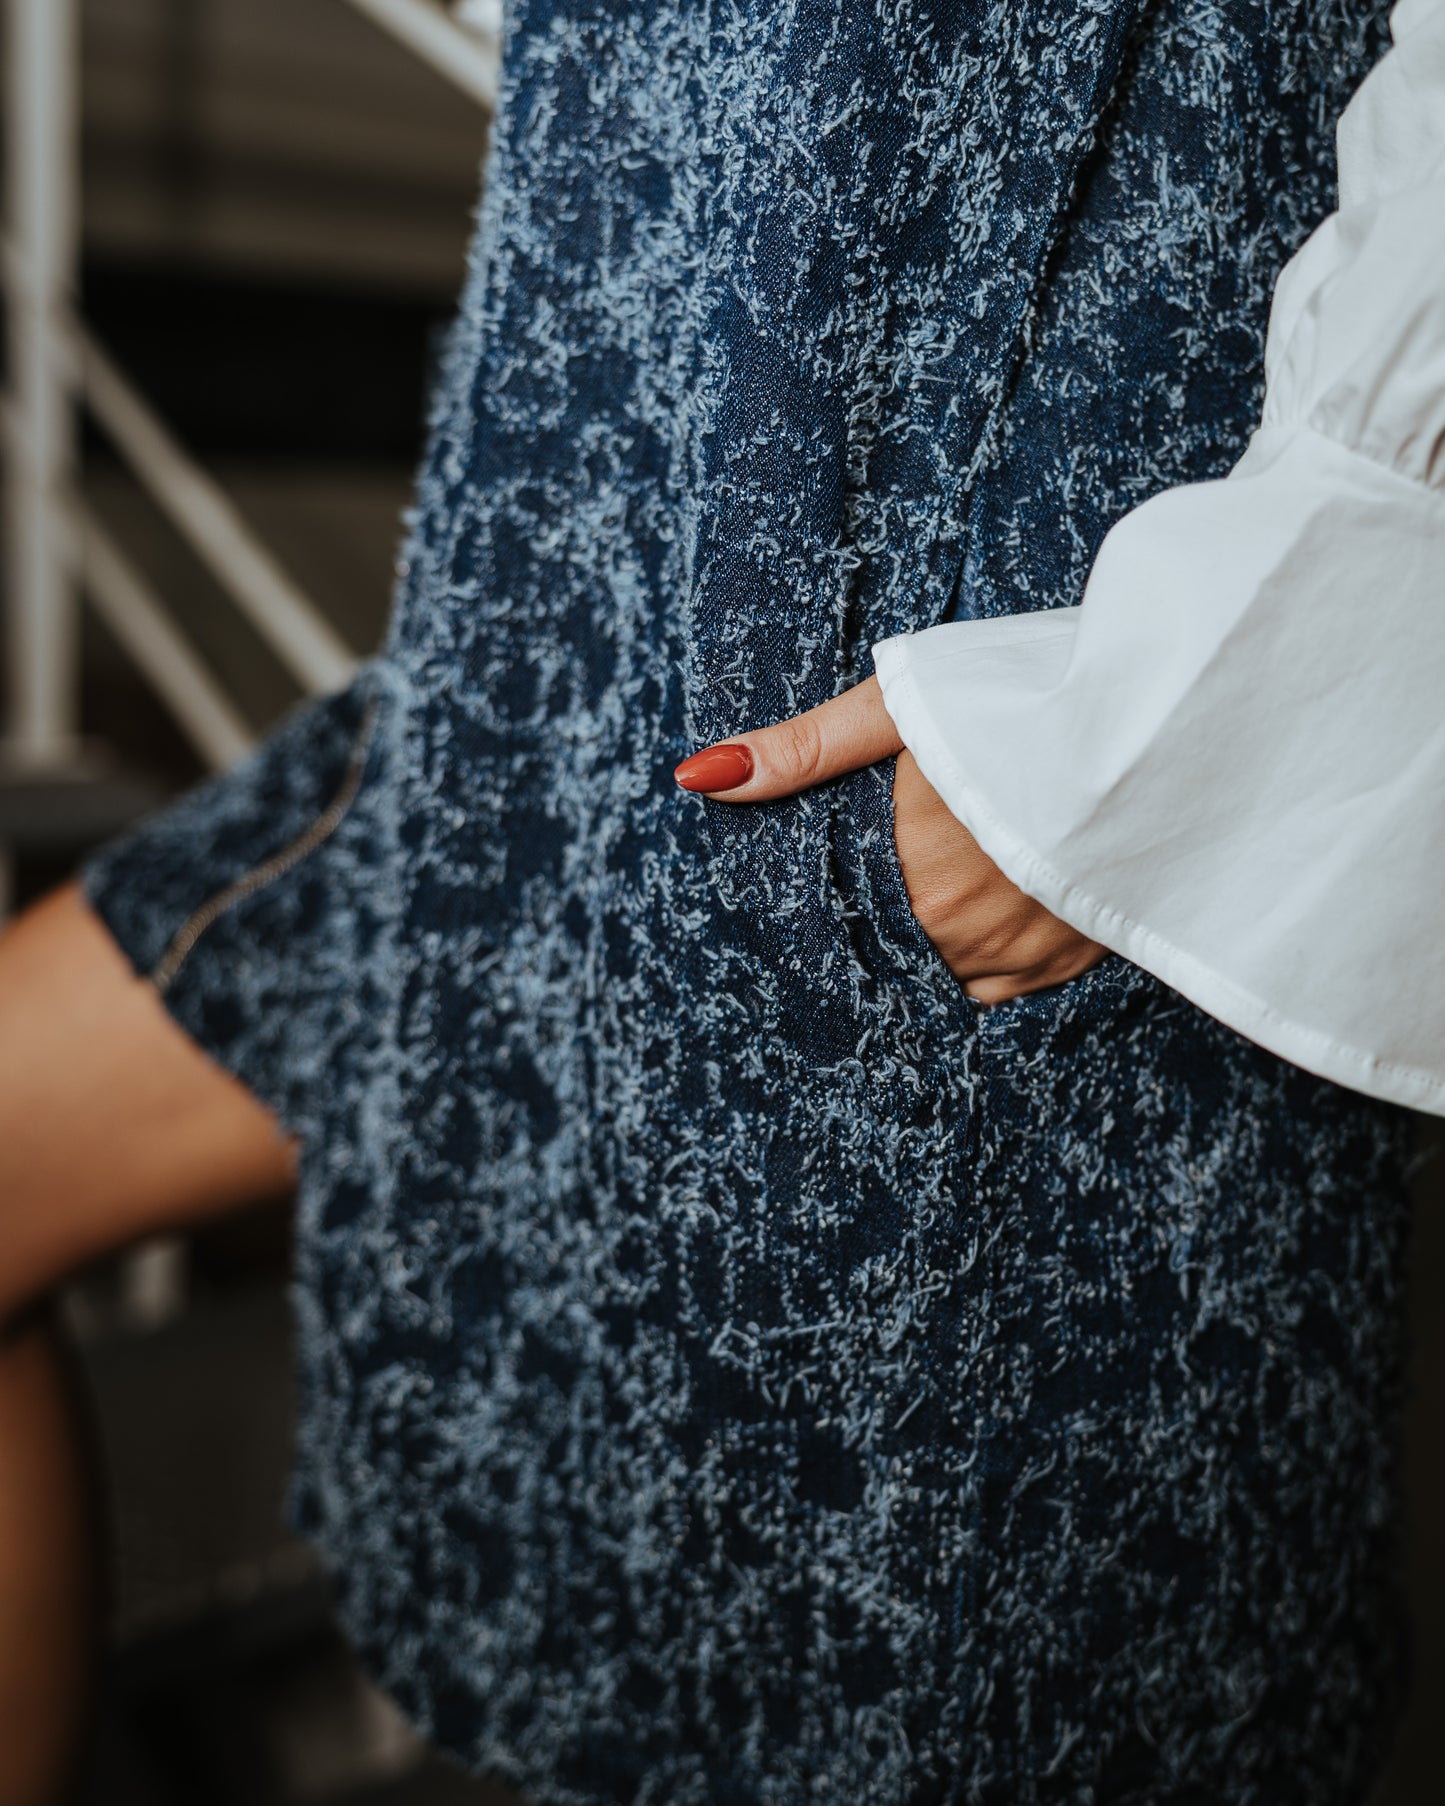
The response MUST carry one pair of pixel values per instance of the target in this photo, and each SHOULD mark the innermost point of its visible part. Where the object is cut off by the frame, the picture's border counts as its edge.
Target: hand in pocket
(997, 940)
(993, 936)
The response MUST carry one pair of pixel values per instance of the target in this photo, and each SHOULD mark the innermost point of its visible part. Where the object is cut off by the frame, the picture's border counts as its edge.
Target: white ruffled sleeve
(1228, 765)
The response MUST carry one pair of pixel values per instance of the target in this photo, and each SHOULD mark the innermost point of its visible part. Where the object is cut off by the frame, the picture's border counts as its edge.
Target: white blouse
(1228, 764)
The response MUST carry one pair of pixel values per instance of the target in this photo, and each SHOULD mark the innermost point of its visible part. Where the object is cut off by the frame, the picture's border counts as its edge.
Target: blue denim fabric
(735, 1368)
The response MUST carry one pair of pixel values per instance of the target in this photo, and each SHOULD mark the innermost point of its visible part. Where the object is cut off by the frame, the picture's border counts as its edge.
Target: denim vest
(737, 1369)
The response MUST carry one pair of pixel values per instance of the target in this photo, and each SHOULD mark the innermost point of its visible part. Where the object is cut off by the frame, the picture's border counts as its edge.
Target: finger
(850, 731)
(1004, 987)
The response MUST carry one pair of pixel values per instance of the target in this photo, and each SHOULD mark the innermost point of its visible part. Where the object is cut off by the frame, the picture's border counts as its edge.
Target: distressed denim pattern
(737, 1370)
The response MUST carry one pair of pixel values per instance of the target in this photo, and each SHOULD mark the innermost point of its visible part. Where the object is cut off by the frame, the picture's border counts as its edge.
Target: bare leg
(47, 1578)
(113, 1125)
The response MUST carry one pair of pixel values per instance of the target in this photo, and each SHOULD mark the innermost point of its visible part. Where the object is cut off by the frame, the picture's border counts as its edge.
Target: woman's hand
(998, 941)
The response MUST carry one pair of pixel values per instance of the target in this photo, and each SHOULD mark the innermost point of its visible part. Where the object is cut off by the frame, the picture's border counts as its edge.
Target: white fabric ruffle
(1228, 764)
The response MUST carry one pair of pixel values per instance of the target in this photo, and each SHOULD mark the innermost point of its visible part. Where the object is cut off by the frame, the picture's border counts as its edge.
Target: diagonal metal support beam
(470, 59)
(161, 653)
(280, 611)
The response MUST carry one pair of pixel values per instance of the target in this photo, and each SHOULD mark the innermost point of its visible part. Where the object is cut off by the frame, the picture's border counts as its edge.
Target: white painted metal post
(42, 645)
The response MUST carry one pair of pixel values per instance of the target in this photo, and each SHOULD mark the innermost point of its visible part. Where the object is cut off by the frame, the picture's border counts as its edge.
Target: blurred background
(235, 230)
(259, 209)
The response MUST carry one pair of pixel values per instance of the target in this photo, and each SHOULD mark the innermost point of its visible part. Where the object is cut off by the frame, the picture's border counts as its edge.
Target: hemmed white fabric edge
(1203, 984)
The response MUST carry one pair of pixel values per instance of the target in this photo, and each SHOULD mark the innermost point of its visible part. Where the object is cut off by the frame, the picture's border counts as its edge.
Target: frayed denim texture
(735, 1368)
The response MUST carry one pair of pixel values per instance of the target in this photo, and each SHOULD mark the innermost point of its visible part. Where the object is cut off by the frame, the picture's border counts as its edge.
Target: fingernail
(716, 768)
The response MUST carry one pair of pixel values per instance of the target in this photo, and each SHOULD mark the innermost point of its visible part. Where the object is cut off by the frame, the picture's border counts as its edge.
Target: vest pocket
(887, 937)
(1088, 1005)
(889, 940)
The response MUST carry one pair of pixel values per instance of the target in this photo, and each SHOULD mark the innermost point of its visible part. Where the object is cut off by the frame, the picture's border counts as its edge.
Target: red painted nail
(716, 768)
